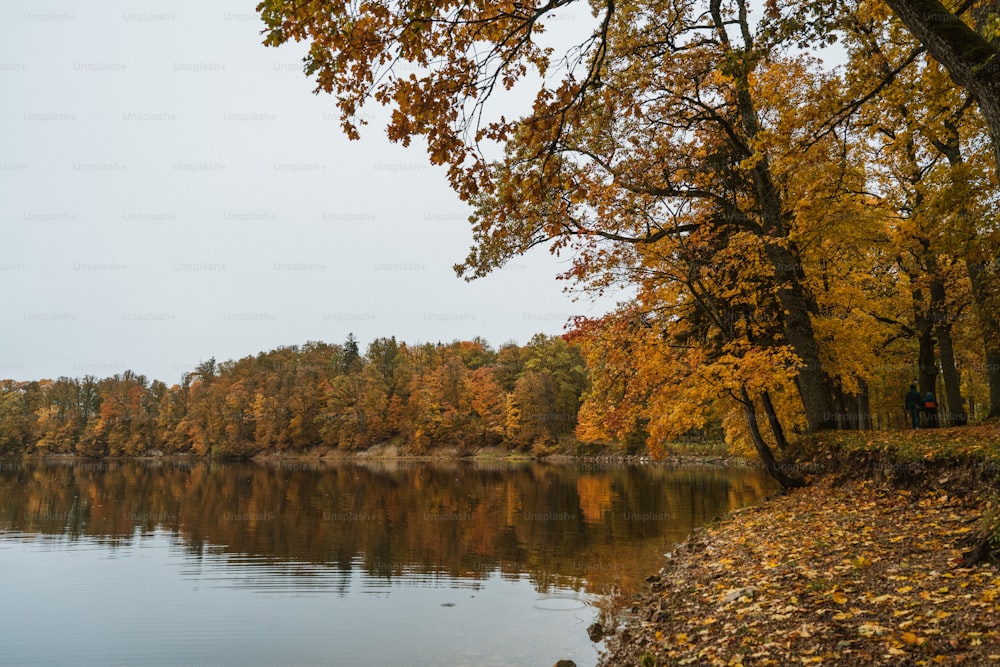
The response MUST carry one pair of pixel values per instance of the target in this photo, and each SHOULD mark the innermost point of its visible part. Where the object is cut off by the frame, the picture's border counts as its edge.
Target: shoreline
(394, 452)
(866, 566)
(364, 457)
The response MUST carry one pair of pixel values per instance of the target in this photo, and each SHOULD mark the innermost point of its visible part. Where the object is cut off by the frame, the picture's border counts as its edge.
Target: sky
(171, 190)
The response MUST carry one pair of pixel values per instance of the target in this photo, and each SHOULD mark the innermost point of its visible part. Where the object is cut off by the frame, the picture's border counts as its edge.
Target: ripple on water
(561, 603)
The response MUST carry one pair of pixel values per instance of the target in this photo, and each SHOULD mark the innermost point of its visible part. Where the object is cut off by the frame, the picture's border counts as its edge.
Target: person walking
(913, 405)
(930, 411)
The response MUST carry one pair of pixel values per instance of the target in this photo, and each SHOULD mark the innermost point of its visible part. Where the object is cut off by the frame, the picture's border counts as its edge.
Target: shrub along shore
(888, 557)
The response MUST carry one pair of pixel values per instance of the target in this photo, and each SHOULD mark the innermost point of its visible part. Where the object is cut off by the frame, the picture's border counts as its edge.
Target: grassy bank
(863, 567)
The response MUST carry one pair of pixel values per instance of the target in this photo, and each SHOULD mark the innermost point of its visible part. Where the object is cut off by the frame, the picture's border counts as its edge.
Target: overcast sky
(171, 190)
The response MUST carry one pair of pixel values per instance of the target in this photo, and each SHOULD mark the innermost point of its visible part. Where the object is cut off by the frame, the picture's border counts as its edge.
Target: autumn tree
(19, 404)
(124, 420)
(67, 406)
(489, 401)
(442, 405)
(659, 114)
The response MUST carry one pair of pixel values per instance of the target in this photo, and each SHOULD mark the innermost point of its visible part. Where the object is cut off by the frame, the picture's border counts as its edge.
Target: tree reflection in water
(595, 529)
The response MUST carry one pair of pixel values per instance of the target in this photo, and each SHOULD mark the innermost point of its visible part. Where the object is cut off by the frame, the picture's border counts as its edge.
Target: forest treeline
(583, 392)
(462, 395)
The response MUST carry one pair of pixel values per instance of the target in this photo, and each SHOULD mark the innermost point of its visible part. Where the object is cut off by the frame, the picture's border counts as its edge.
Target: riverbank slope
(863, 567)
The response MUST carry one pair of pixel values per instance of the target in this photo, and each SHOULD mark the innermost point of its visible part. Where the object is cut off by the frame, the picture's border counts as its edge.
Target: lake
(341, 563)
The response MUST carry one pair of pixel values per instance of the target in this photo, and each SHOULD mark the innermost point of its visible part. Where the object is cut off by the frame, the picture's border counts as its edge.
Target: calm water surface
(389, 563)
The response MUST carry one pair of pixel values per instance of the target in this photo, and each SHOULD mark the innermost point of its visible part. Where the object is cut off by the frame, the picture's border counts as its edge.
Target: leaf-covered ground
(844, 573)
(979, 443)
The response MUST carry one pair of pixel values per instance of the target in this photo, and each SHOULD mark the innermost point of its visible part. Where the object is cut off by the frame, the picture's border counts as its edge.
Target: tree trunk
(926, 362)
(982, 293)
(852, 409)
(813, 384)
(763, 451)
(774, 422)
(971, 60)
(864, 407)
(956, 415)
(942, 323)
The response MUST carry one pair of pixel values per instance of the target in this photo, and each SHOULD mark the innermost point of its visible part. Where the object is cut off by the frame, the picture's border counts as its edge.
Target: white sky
(171, 190)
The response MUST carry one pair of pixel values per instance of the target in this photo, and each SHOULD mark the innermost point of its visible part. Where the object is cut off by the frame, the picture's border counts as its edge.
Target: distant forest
(461, 395)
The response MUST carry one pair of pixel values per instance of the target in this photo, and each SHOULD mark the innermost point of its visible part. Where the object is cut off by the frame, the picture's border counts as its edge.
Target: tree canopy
(790, 231)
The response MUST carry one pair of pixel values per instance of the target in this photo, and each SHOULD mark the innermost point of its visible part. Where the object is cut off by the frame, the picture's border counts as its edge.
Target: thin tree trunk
(942, 322)
(864, 407)
(774, 422)
(848, 409)
(982, 294)
(956, 415)
(763, 451)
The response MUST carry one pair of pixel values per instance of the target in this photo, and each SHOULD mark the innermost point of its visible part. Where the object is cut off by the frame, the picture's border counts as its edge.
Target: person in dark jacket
(913, 405)
(930, 410)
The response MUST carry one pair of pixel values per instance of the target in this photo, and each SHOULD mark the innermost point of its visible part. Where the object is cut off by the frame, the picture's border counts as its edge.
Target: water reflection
(562, 525)
(515, 556)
